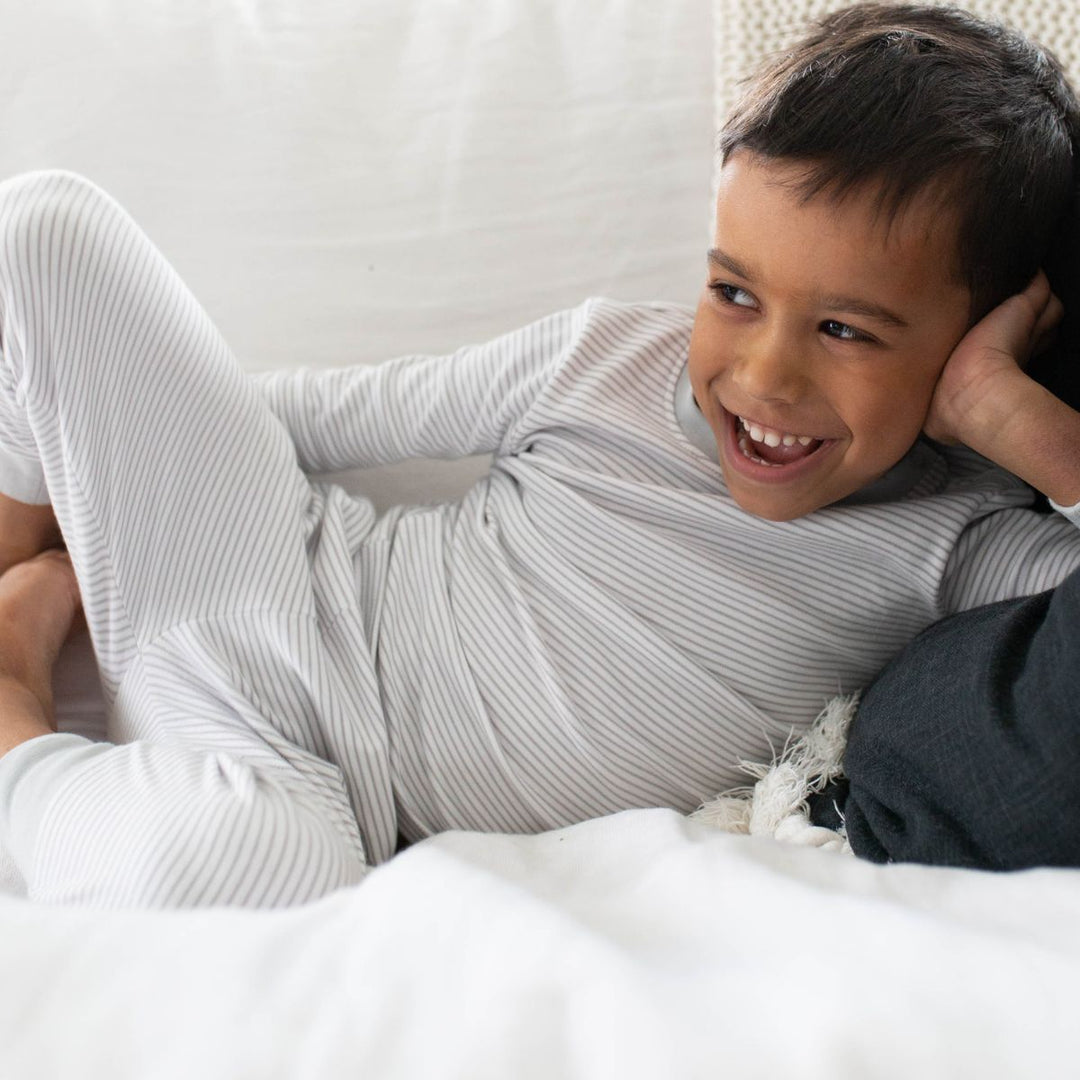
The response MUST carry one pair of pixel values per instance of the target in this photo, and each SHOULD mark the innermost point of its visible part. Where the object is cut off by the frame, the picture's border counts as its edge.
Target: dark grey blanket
(966, 749)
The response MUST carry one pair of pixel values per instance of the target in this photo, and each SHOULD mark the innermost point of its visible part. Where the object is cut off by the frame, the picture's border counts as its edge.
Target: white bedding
(341, 182)
(640, 945)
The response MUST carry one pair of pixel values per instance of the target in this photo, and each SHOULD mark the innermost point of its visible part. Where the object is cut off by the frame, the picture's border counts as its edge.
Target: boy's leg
(25, 530)
(166, 474)
(186, 518)
(39, 598)
(966, 749)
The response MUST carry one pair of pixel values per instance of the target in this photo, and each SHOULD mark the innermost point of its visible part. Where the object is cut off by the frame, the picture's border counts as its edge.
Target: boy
(694, 531)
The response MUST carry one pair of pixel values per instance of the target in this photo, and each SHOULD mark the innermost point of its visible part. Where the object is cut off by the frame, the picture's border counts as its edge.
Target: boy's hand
(979, 383)
(985, 400)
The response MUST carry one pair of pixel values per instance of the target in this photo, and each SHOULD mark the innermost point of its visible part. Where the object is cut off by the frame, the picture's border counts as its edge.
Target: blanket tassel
(776, 805)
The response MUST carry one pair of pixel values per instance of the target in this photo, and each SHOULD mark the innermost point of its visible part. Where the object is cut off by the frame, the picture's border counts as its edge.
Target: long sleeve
(1008, 554)
(418, 406)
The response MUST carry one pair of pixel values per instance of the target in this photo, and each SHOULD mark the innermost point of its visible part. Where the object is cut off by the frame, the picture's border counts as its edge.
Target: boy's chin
(779, 508)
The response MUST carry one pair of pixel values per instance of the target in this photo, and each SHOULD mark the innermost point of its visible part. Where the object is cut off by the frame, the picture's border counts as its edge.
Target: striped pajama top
(596, 625)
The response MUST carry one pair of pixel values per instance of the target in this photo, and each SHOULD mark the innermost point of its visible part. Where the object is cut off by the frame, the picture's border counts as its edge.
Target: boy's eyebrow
(851, 305)
(729, 262)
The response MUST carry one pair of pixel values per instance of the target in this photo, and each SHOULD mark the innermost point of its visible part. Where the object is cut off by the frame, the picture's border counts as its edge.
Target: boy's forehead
(765, 200)
(930, 207)
(842, 254)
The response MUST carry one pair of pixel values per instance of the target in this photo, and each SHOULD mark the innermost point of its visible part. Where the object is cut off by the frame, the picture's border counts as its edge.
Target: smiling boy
(821, 336)
(854, 252)
(696, 528)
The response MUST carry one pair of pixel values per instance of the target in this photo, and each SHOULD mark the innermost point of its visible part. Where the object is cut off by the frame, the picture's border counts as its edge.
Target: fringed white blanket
(776, 805)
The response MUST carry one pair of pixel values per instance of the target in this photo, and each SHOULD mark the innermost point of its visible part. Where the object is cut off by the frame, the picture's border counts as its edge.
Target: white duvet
(640, 945)
(299, 161)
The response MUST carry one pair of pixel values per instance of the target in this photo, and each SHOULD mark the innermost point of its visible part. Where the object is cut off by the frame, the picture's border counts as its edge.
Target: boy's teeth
(773, 438)
(744, 446)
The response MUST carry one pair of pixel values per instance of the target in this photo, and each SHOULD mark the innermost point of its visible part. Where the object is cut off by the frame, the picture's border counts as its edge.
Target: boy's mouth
(767, 455)
(768, 446)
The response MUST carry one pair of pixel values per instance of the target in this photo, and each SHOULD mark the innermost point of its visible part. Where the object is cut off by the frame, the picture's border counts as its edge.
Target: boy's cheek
(706, 353)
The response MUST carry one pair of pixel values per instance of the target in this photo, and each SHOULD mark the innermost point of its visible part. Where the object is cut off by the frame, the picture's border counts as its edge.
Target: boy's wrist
(1034, 435)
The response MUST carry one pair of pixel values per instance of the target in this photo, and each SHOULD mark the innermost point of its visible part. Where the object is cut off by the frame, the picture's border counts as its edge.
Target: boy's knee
(47, 214)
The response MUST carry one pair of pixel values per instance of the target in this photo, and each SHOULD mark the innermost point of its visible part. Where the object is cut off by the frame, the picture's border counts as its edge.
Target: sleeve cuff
(1072, 513)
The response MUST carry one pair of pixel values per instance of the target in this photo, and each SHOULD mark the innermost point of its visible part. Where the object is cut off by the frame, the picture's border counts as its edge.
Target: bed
(340, 183)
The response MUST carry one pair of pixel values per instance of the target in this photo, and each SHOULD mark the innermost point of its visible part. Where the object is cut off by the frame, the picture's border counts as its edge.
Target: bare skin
(24, 531)
(39, 602)
(984, 399)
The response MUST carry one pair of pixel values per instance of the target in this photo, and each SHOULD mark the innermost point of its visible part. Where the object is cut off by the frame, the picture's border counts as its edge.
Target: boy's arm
(986, 401)
(1006, 554)
(417, 406)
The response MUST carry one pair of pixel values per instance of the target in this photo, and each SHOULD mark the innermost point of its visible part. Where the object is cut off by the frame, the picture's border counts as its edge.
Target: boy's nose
(770, 370)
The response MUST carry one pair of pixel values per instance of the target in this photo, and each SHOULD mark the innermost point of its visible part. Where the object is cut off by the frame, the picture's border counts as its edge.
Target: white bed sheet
(639, 945)
(340, 182)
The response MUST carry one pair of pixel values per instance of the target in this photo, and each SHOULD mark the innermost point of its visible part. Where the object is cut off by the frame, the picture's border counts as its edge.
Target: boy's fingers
(1037, 296)
(1051, 314)
(1025, 323)
(1038, 289)
(1011, 327)
(1045, 333)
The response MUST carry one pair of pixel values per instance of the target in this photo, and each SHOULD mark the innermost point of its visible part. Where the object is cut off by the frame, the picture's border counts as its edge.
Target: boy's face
(819, 337)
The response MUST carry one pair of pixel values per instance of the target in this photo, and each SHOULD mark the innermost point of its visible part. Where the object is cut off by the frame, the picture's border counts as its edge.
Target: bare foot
(24, 531)
(39, 600)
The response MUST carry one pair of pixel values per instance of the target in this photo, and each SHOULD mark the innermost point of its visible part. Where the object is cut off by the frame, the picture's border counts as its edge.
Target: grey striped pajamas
(291, 680)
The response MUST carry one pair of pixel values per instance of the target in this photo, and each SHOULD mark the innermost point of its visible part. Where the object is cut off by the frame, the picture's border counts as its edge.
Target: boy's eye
(732, 294)
(843, 332)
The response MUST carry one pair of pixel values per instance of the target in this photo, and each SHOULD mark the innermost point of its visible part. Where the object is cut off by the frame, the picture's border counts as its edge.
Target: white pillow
(347, 181)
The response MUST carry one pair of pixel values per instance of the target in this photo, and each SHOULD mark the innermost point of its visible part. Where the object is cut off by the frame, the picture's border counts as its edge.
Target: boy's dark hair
(932, 99)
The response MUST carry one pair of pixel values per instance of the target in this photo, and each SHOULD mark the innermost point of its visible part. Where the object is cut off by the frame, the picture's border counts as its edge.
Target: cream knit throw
(746, 31)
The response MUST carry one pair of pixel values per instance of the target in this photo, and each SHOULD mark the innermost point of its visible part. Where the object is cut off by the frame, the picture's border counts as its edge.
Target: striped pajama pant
(218, 598)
